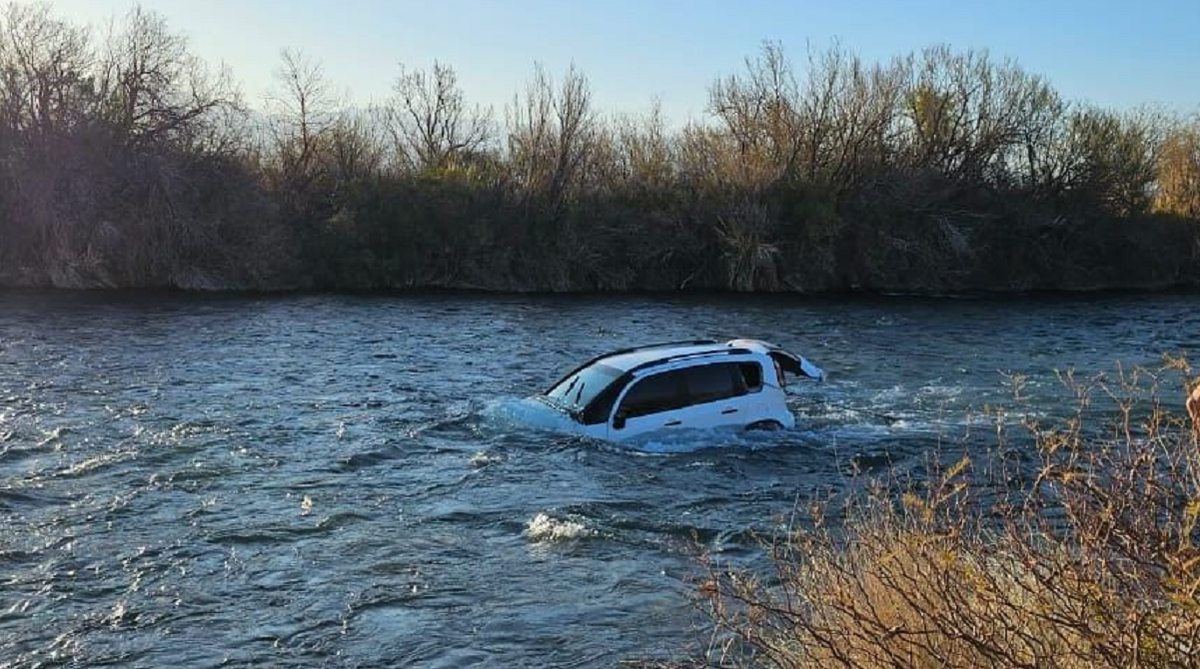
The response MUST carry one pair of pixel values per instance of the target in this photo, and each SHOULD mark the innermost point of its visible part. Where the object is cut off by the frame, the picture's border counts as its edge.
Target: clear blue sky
(1118, 54)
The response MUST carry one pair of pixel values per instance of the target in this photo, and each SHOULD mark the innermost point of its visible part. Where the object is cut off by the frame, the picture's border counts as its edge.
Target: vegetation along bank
(125, 161)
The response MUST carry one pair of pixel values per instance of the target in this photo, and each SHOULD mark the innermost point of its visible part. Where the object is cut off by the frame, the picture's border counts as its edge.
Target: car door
(717, 397)
(702, 396)
(649, 404)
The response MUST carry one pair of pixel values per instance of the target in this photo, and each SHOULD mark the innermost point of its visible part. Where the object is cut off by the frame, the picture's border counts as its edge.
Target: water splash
(525, 413)
(542, 529)
(482, 459)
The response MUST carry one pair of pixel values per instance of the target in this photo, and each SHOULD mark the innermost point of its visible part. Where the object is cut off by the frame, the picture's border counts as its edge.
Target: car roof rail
(665, 344)
(635, 349)
(648, 347)
(686, 356)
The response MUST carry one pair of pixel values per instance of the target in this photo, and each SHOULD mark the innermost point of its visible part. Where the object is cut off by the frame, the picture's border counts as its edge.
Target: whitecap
(98, 461)
(53, 436)
(547, 529)
(118, 614)
(483, 459)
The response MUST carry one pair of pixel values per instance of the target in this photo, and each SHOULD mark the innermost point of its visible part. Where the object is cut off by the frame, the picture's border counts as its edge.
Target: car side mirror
(619, 421)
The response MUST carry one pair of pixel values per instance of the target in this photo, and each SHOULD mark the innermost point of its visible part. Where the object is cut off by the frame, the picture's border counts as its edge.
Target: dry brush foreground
(1072, 546)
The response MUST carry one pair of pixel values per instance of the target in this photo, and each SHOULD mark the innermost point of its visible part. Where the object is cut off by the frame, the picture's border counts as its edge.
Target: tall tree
(1178, 189)
(302, 110)
(154, 87)
(431, 123)
(551, 135)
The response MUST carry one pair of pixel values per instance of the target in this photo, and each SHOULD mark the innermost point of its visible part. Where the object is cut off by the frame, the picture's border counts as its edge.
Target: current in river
(345, 481)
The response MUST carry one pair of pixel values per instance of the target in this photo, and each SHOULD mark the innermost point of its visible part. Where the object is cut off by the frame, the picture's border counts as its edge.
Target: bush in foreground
(1083, 555)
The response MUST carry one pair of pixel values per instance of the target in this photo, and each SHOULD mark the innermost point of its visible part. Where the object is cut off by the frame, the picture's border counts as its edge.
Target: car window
(652, 394)
(711, 383)
(579, 389)
(751, 375)
(601, 408)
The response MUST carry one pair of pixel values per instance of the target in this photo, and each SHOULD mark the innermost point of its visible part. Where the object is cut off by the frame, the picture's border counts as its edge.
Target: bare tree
(1179, 173)
(826, 127)
(759, 109)
(44, 65)
(708, 158)
(530, 131)
(847, 115)
(643, 149)
(552, 134)
(966, 114)
(431, 124)
(1112, 159)
(45, 100)
(1039, 114)
(302, 111)
(356, 151)
(576, 129)
(154, 87)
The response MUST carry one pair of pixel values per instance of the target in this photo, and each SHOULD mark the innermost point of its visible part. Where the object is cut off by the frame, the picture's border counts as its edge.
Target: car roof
(632, 359)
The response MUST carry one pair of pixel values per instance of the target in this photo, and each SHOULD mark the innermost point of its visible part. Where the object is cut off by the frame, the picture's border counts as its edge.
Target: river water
(342, 480)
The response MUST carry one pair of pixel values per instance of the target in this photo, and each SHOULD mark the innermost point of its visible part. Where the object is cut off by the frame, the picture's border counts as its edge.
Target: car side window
(654, 394)
(600, 408)
(712, 383)
(751, 376)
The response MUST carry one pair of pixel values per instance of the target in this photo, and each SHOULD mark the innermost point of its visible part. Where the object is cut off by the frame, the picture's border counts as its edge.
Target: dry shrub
(750, 258)
(1083, 556)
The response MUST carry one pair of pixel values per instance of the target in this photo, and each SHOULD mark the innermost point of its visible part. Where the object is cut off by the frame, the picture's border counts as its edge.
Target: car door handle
(729, 411)
(672, 423)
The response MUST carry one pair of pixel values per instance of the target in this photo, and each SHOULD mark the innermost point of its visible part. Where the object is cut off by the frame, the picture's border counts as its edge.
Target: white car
(677, 386)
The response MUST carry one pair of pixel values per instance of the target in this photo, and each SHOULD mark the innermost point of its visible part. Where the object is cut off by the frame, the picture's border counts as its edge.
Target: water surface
(339, 480)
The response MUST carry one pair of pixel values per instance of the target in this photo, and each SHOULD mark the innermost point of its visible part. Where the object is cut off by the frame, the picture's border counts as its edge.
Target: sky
(1116, 54)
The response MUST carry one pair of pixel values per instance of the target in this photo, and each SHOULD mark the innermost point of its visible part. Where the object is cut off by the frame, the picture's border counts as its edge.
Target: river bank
(976, 254)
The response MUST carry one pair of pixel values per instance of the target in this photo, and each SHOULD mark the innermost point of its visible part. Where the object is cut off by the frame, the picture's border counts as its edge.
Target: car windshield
(579, 389)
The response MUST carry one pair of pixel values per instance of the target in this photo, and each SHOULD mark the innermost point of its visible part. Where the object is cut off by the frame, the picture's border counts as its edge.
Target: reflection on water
(353, 481)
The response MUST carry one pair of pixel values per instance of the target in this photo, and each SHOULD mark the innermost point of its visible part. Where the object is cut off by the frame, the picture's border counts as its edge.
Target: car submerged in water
(677, 386)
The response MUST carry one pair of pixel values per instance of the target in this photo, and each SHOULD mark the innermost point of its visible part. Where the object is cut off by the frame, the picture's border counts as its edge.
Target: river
(330, 480)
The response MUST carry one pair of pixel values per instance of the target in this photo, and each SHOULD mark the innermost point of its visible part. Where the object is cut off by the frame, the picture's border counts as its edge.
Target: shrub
(1083, 556)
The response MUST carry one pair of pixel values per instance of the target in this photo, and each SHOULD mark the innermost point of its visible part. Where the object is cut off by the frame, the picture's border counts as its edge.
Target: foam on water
(817, 422)
(483, 459)
(91, 464)
(692, 441)
(543, 528)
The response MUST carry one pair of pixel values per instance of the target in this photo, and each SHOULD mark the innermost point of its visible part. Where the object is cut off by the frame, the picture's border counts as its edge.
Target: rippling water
(344, 481)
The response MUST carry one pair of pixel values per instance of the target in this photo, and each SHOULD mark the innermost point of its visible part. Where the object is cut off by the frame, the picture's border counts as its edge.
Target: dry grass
(1084, 556)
